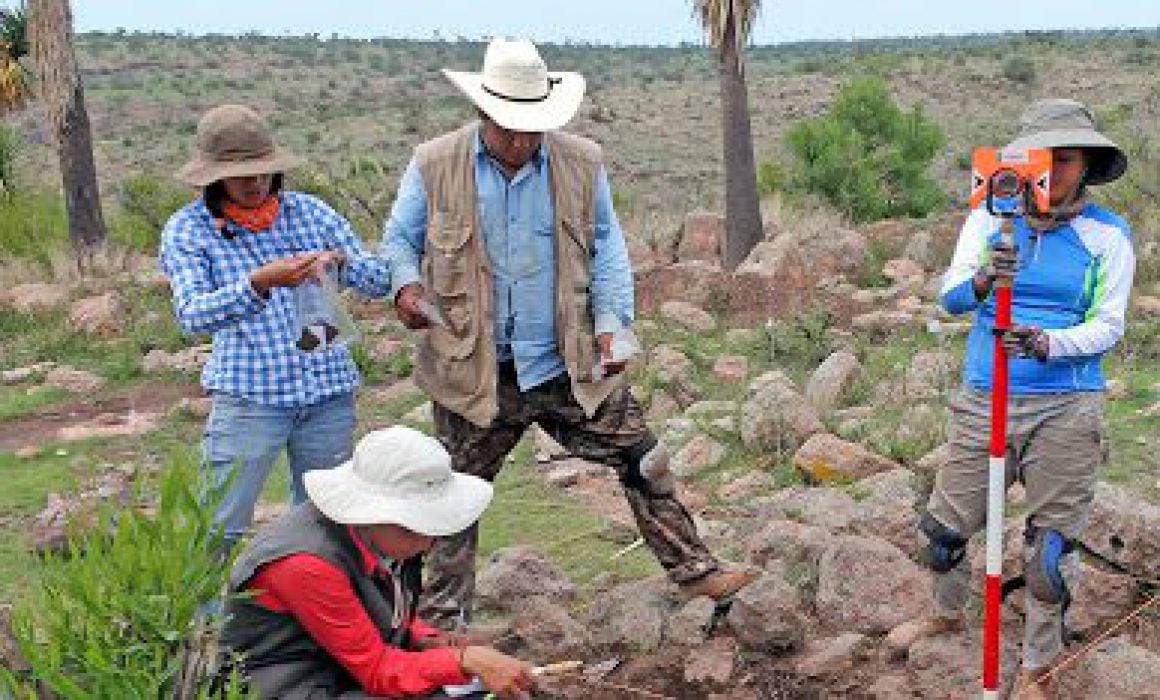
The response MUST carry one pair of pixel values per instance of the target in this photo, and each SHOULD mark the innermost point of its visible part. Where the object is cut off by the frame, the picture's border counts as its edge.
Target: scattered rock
(701, 237)
(886, 508)
(827, 507)
(868, 585)
(74, 380)
(1117, 390)
(187, 361)
(775, 416)
(883, 322)
(745, 487)
(48, 531)
(1146, 306)
(383, 349)
(834, 656)
(904, 273)
(712, 662)
(778, 259)
(1126, 529)
(930, 374)
(32, 298)
(825, 457)
(686, 626)
(28, 452)
(198, 407)
(671, 364)
(109, 425)
(788, 542)
(766, 616)
(661, 406)
(832, 380)
(632, 614)
(548, 632)
(700, 453)
(741, 336)
(20, 375)
(934, 460)
(516, 573)
(732, 369)
(402, 389)
(102, 315)
(689, 316)
(423, 413)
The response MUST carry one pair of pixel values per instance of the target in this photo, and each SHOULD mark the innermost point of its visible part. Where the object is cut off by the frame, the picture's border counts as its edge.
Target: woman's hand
(283, 272)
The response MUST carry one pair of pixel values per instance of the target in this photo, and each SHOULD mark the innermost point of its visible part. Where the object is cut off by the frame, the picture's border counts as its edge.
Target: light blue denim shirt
(517, 218)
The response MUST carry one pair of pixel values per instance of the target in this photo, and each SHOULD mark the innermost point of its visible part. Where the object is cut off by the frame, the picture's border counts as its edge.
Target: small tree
(868, 157)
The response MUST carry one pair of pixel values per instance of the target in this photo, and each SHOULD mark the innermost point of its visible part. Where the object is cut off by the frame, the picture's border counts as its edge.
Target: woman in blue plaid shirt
(233, 257)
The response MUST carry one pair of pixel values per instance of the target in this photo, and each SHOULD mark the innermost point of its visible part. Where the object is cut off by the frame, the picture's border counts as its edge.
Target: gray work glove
(1027, 341)
(1000, 266)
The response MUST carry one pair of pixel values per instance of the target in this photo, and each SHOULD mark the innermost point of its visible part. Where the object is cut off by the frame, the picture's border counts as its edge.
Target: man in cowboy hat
(506, 227)
(232, 256)
(330, 589)
(1072, 269)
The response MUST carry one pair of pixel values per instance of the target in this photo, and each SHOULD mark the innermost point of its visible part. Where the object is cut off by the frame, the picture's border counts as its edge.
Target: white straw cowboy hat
(517, 91)
(233, 141)
(1061, 123)
(402, 477)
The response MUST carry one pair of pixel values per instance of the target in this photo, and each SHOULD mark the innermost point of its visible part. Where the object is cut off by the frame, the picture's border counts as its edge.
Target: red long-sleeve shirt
(320, 596)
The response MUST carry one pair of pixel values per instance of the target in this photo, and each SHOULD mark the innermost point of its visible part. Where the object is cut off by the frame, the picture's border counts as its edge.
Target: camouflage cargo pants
(616, 435)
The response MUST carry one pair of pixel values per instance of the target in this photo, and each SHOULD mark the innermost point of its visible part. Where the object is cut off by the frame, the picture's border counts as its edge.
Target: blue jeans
(248, 436)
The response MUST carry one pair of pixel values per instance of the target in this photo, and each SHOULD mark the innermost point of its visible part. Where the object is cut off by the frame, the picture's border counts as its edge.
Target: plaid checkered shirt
(254, 351)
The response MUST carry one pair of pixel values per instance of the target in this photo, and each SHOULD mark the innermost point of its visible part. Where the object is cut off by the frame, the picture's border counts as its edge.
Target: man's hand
(610, 368)
(1027, 341)
(441, 639)
(506, 676)
(407, 307)
(1000, 269)
(283, 272)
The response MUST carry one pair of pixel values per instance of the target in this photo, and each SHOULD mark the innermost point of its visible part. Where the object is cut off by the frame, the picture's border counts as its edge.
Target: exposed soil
(45, 425)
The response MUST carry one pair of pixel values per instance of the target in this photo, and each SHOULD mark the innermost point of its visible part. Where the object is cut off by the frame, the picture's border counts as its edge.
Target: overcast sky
(606, 21)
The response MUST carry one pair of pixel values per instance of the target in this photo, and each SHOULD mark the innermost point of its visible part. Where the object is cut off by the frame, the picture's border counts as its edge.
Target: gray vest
(279, 658)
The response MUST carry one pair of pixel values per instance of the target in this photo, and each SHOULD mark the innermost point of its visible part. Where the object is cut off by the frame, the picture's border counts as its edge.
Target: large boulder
(187, 361)
(825, 458)
(699, 454)
(671, 364)
(516, 573)
(731, 369)
(834, 656)
(930, 374)
(766, 615)
(947, 665)
(832, 379)
(868, 585)
(74, 380)
(789, 542)
(775, 416)
(779, 259)
(1126, 529)
(830, 508)
(102, 315)
(547, 631)
(632, 614)
(886, 508)
(1115, 670)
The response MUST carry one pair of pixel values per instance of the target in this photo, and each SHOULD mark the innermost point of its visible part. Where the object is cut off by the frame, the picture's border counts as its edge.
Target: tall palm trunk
(60, 89)
(742, 208)
(86, 225)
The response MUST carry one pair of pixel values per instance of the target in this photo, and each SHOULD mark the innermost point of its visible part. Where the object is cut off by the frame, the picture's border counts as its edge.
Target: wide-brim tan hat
(517, 90)
(1062, 123)
(233, 141)
(399, 476)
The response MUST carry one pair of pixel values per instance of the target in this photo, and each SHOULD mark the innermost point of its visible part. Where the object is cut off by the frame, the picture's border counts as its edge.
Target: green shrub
(1019, 69)
(771, 177)
(113, 618)
(10, 143)
(868, 157)
(147, 202)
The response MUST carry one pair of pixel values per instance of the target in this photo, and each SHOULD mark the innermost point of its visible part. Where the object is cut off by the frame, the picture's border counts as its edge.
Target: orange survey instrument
(1011, 180)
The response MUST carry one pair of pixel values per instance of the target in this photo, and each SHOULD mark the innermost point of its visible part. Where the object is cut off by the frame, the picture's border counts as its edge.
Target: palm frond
(715, 15)
(13, 83)
(14, 31)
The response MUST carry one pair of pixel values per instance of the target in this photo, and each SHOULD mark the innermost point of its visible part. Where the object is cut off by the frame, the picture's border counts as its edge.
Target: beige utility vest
(456, 365)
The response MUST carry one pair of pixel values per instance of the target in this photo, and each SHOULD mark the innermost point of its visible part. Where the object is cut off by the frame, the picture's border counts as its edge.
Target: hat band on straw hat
(552, 82)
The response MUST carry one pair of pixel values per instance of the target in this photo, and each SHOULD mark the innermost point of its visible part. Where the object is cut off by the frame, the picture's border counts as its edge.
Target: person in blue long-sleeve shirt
(505, 249)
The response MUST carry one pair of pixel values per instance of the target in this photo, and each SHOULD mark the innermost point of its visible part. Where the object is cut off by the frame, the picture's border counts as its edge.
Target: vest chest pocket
(575, 266)
(451, 276)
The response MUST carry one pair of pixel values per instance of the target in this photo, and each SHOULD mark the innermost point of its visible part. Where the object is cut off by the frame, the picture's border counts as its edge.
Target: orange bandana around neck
(255, 220)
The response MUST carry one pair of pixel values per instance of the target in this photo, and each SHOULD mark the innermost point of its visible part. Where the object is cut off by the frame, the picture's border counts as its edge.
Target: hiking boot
(1028, 686)
(900, 639)
(719, 585)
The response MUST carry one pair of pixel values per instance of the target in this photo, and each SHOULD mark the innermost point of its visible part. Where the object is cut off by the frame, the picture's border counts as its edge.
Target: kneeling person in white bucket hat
(333, 585)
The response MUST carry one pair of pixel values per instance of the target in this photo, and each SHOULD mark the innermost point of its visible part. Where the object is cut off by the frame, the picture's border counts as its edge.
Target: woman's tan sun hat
(399, 476)
(517, 91)
(233, 141)
(1062, 123)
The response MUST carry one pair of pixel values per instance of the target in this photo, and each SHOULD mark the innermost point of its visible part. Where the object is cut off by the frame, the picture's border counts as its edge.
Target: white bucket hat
(517, 91)
(402, 477)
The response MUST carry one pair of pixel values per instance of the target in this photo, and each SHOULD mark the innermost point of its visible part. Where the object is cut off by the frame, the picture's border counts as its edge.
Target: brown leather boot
(1029, 687)
(902, 637)
(720, 584)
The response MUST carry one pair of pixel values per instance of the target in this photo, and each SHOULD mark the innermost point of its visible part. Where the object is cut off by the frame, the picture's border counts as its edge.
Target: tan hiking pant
(1055, 445)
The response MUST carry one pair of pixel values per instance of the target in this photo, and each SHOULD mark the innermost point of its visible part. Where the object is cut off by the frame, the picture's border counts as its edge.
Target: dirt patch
(62, 420)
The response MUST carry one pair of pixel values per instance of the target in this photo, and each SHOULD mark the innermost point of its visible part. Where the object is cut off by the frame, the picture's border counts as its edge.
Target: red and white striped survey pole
(996, 484)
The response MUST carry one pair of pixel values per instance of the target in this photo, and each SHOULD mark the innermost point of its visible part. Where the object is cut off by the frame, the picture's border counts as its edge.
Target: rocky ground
(802, 400)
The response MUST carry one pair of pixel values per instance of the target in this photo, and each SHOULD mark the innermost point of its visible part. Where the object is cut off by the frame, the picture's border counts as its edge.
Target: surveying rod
(996, 483)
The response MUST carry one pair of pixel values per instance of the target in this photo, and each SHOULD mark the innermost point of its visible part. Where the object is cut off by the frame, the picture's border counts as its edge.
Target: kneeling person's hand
(506, 676)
